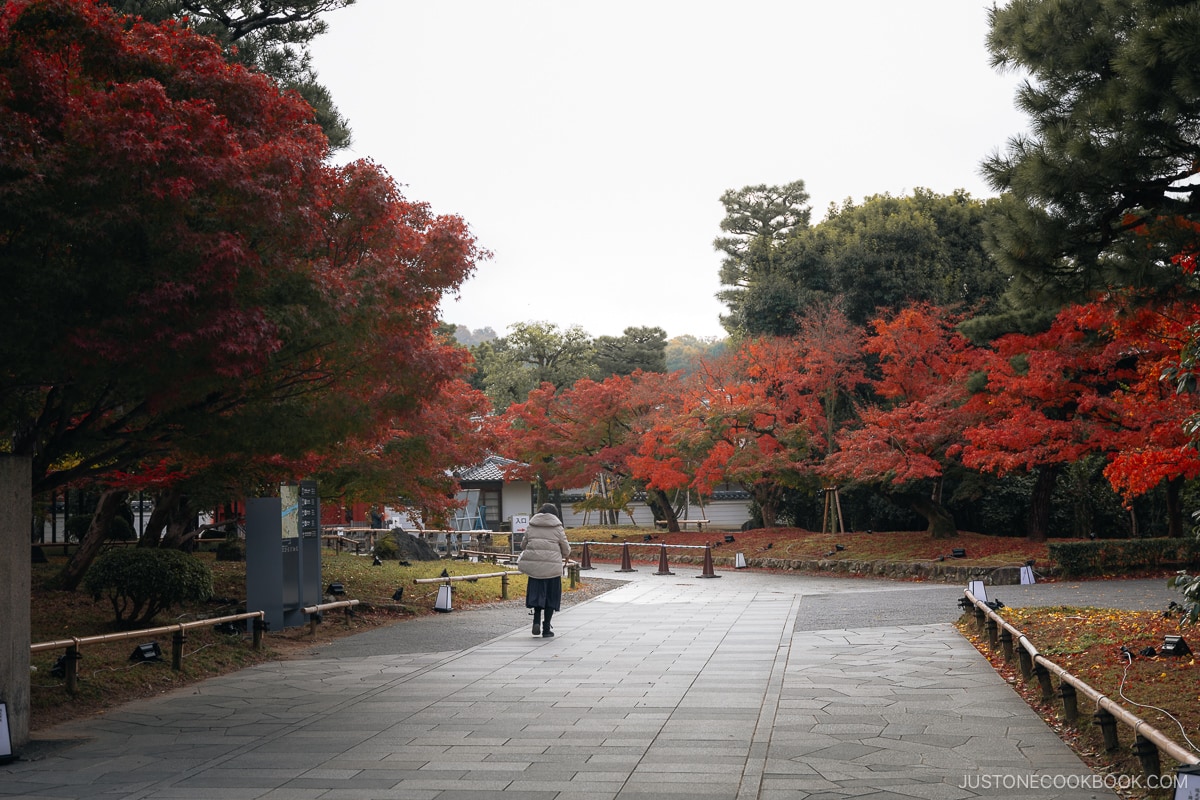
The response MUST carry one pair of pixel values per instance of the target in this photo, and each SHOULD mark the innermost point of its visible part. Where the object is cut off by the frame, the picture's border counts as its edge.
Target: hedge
(1108, 556)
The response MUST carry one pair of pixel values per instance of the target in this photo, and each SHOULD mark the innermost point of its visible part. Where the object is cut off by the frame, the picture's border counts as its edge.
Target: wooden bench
(683, 523)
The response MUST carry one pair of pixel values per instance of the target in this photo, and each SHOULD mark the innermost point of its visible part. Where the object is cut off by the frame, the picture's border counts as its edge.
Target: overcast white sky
(587, 144)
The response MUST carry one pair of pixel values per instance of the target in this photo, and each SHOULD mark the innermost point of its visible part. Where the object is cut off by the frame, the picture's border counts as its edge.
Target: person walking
(541, 559)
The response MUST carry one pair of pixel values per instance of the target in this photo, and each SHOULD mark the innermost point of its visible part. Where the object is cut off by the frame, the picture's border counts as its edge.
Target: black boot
(537, 622)
(546, 632)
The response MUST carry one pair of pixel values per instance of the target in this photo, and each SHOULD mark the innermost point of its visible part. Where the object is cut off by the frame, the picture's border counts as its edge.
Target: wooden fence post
(1147, 753)
(1108, 727)
(1026, 663)
(177, 640)
(70, 669)
(1043, 676)
(1070, 702)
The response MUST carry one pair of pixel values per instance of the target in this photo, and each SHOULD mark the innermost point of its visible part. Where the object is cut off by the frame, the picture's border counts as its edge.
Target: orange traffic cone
(663, 569)
(708, 565)
(626, 564)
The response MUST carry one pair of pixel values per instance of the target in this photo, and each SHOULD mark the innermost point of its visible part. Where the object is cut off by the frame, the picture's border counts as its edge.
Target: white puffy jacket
(545, 547)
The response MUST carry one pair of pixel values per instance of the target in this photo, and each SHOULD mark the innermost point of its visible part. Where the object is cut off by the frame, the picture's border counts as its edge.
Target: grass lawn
(795, 544)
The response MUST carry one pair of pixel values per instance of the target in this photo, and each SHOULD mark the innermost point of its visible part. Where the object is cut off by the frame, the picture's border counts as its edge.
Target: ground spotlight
(150, 651)
(336, 589)
(1174, 646)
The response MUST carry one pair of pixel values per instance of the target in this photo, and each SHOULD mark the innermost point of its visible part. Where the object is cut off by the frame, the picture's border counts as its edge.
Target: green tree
(1102, 190)
(533, 353)
(758, 220)
(268, 36)
(684, 352)
(636, 349)
(890, 251)
(880, 254)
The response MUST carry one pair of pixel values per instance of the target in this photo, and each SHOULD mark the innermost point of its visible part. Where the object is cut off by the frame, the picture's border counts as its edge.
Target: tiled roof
(492, 469)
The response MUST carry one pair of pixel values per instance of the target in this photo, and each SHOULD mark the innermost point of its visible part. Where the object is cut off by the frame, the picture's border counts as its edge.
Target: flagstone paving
(777, 687)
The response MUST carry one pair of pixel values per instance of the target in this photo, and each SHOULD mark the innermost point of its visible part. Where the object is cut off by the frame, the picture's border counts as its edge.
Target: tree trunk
(181, 525)
(1174, 508)
(660, 506)
(1037, 524)
(541, 493)
(768, 498)
(164, 503)
(941, 521)
(73, 571)
(770, 513)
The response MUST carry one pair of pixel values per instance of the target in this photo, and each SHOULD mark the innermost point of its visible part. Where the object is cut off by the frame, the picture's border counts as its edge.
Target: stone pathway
(670, 686)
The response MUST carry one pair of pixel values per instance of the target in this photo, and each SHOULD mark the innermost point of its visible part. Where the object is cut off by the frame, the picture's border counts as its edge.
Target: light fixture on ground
(336, 589)
(149, 651)
(445, 598)
(1174, 646)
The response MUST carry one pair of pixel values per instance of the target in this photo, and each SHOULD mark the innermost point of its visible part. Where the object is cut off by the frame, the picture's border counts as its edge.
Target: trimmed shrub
(140, 582)
(1109, 556)
(231, 549)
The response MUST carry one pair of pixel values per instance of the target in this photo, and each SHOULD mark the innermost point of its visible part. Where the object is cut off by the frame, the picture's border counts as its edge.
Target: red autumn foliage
(924, 366)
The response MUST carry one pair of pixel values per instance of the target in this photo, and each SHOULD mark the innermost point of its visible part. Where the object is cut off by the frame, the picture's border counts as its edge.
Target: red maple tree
(912, 436)
(1089, 385)
(190, 282)
(589, 432)
(749, 417)
(1146, 417)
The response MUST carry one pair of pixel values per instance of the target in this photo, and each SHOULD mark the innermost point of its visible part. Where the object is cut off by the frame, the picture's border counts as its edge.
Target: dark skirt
(544, 593)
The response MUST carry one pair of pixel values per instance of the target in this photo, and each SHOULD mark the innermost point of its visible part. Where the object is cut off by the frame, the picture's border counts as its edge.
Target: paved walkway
(670, 686)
